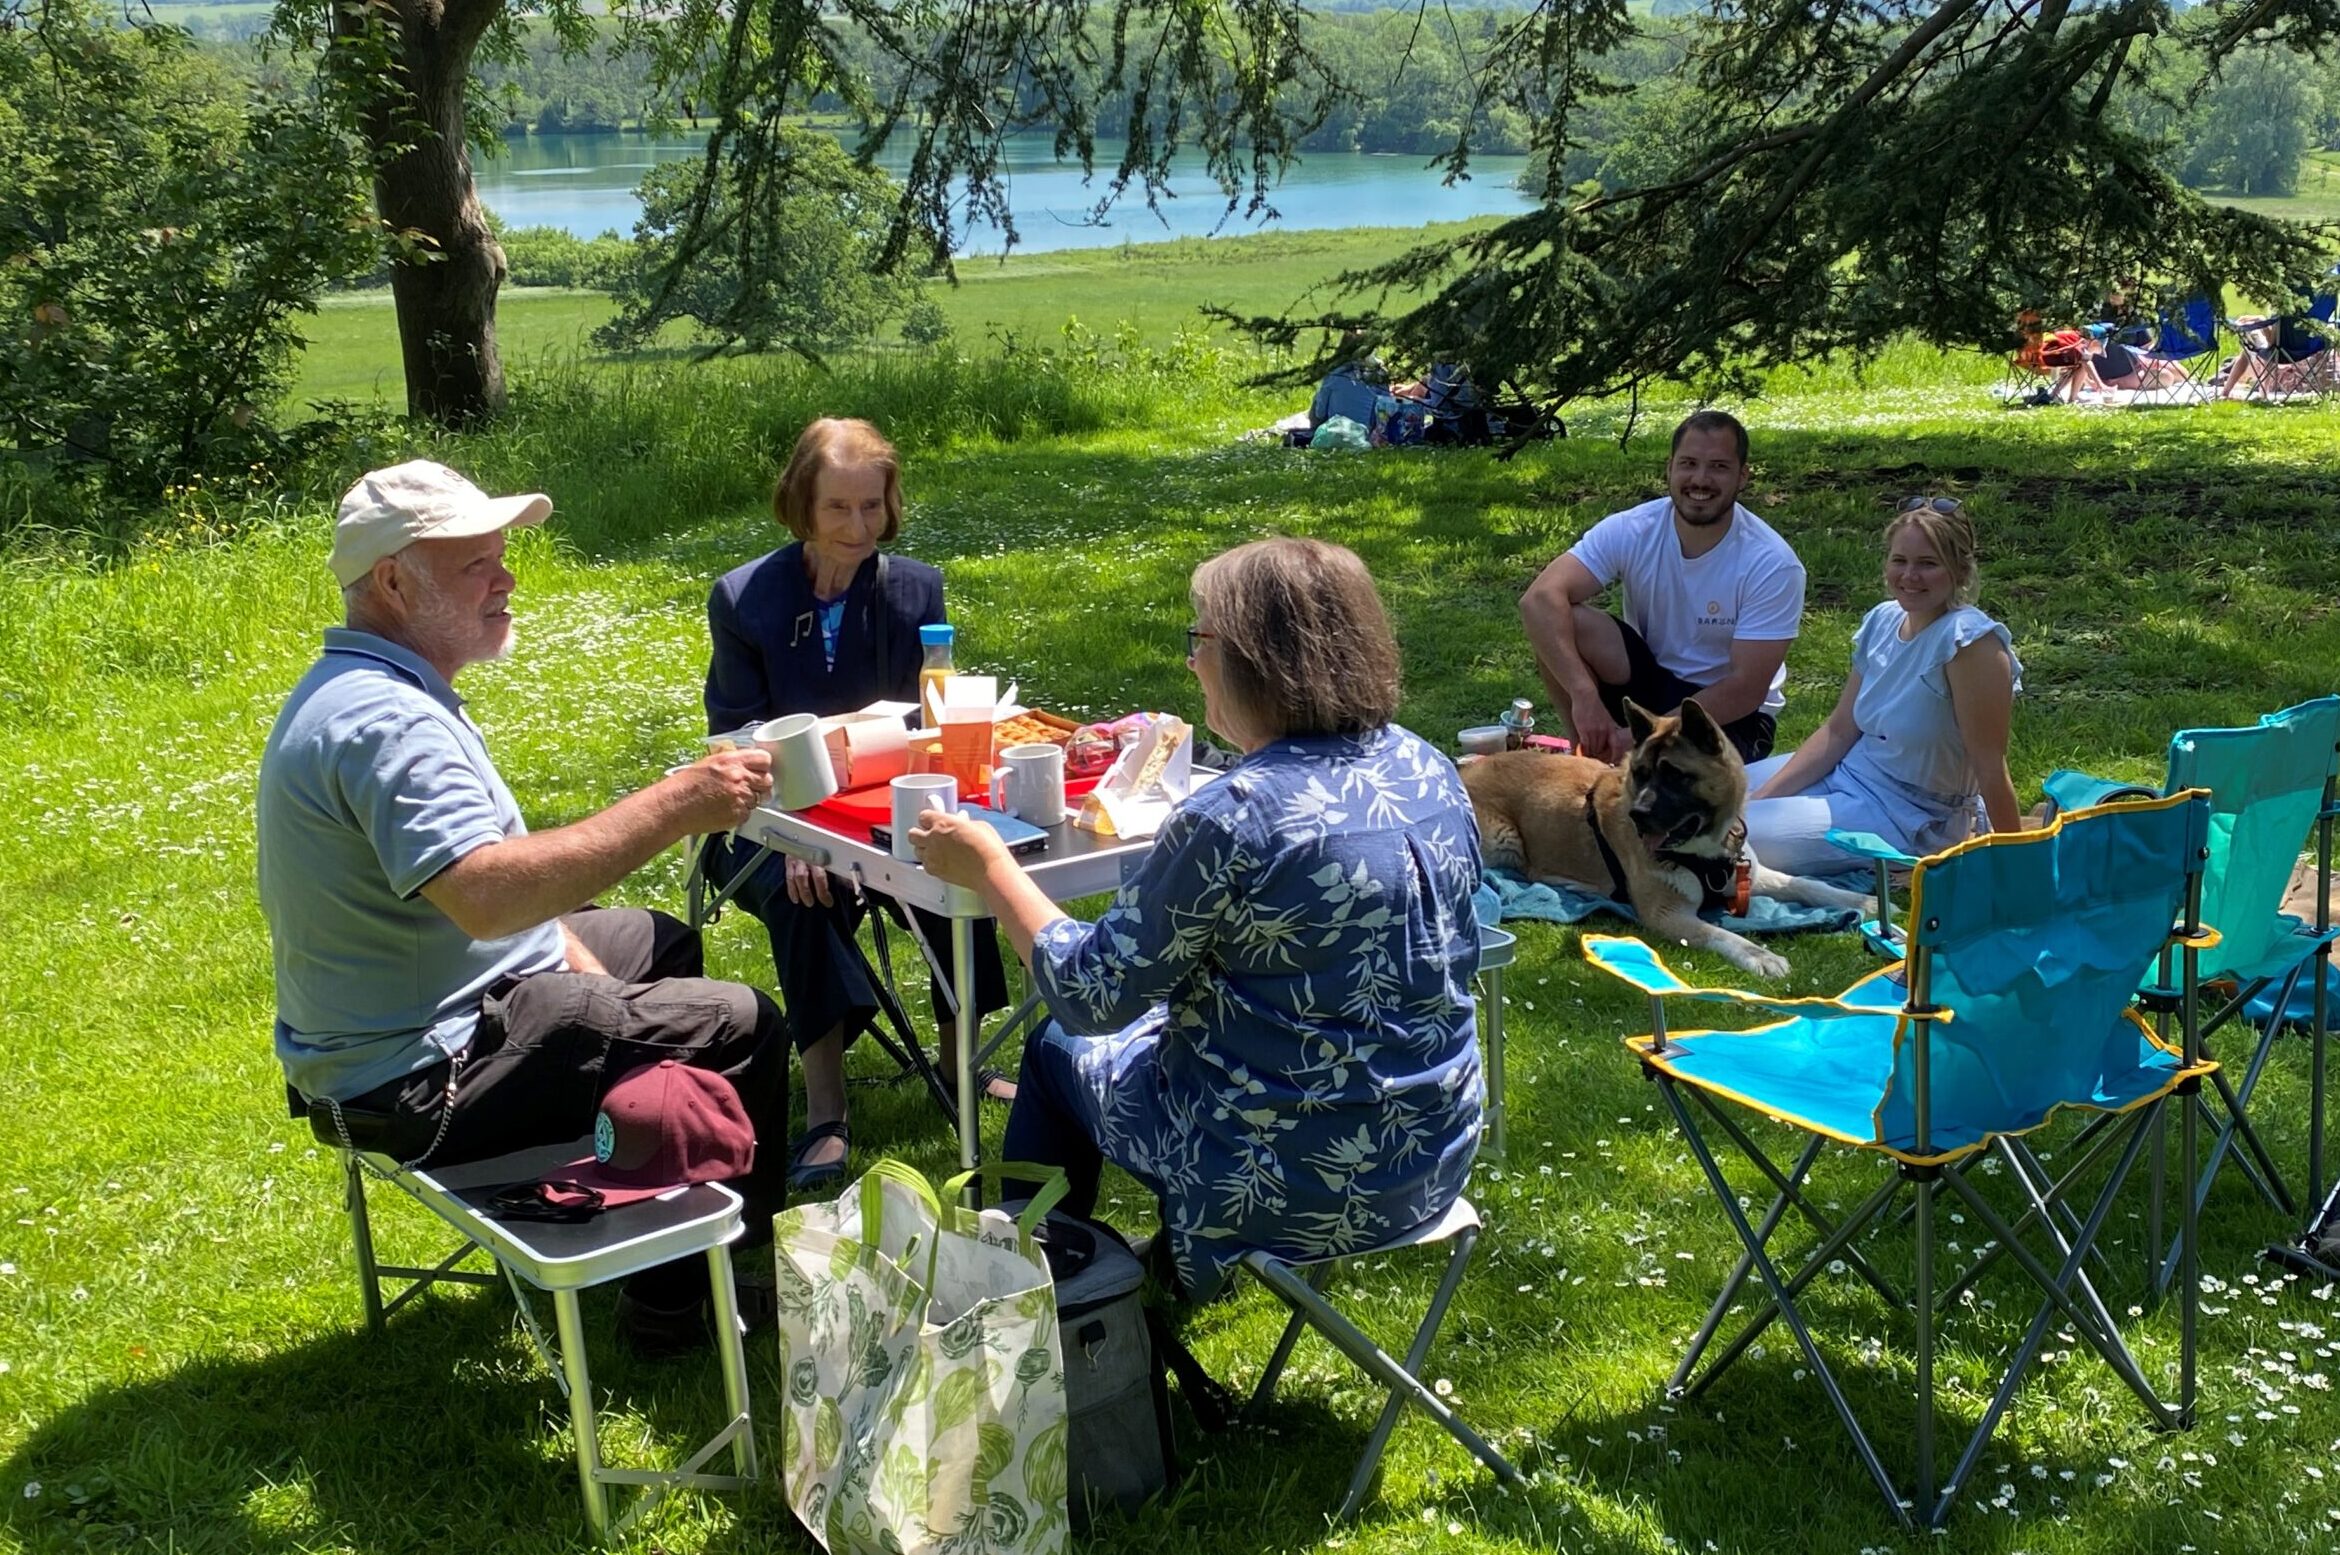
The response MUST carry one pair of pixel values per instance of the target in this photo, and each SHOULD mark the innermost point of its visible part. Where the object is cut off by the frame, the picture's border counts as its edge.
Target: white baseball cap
(388, 510)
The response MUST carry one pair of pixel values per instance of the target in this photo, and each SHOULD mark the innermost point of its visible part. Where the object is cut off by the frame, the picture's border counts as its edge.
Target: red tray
(853, 813)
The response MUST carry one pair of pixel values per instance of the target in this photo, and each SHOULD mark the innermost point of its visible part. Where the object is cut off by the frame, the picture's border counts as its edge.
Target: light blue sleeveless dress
(1907, 778)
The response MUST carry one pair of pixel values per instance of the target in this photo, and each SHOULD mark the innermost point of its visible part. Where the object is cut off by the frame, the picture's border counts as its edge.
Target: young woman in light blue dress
(1916, 748)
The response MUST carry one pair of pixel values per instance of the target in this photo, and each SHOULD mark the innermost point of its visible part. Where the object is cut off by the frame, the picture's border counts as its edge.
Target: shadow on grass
(442, 1433)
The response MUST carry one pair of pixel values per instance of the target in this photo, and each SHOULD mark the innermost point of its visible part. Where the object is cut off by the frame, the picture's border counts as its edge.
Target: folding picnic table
(1074, 863)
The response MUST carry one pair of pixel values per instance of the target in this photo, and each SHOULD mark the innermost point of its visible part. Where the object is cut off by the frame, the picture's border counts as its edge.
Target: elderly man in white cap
(441, 986)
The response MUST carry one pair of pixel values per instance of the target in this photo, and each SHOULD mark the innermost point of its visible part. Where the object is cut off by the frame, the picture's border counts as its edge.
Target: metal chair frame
(1300, 1283)
(2230, 1117)
(714, 1224)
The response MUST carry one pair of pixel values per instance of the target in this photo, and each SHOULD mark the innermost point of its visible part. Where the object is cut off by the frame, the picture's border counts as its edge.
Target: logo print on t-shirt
(1714, 607)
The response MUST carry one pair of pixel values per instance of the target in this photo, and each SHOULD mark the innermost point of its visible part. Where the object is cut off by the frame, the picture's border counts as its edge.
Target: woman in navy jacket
(827, 624)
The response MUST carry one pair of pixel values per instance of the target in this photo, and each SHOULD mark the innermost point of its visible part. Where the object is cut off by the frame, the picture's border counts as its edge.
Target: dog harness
(1724, 879)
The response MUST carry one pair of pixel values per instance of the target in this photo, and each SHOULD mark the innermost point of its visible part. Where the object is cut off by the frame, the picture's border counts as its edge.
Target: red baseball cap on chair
(662, 1126)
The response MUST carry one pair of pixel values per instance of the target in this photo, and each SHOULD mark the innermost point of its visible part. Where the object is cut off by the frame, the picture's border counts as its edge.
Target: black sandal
(812, 1177)
(986, 1077)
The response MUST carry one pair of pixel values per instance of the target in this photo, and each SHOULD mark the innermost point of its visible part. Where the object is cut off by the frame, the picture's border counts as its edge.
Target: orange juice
(930, 682)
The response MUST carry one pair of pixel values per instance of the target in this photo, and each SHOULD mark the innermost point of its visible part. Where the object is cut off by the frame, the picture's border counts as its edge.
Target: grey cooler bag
(1118, 1444)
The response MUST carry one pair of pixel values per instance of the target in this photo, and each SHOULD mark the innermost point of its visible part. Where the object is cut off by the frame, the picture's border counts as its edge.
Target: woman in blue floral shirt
(1271, 1027)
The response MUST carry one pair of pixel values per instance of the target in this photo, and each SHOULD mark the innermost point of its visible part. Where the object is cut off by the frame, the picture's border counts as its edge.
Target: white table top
(1074, 863)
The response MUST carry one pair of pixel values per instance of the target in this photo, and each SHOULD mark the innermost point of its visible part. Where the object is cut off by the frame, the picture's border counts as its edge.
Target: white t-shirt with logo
(1690, 610)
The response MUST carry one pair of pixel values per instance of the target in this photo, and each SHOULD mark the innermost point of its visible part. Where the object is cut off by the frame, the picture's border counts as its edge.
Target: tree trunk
(446, 292)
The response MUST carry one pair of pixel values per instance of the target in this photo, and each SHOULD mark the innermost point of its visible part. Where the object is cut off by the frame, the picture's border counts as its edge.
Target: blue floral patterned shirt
(1283, 996)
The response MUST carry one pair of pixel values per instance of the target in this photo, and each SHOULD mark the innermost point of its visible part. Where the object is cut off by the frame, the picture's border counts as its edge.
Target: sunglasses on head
(1938, 504)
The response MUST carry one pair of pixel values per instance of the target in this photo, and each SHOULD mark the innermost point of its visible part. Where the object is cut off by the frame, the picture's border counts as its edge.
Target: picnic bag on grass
(923, 1409)
(1121, 1450)
(1117, 1351)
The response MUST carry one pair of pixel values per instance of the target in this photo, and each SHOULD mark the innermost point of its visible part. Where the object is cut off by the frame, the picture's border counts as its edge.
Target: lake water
(585, 184)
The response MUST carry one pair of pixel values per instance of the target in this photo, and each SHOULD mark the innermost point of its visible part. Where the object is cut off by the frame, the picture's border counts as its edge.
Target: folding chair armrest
(1632, 961)
(1868, 845)
(2069, 790)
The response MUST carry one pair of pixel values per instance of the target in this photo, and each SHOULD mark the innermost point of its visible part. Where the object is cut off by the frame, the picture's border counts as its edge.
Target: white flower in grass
(32, 1490)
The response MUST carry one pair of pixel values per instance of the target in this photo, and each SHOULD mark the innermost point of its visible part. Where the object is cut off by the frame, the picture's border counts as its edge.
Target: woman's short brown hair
(826, 444)
(1304, 644)
(1951, 533)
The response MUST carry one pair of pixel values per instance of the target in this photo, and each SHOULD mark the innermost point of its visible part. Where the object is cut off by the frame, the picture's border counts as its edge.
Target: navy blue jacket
(766, 657)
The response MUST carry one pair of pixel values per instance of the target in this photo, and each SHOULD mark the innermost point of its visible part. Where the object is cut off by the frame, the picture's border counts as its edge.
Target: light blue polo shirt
(373, 781)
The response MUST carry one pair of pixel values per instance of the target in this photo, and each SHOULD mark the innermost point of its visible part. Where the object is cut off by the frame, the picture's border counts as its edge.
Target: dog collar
(1725, 879)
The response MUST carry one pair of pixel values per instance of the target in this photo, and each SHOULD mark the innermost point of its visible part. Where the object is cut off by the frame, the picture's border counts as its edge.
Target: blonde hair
(1304, 645)
(826, 444)
(1952, 537)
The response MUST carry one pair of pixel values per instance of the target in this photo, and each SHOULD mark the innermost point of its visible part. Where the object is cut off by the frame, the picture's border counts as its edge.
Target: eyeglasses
(1194, 635)
(1938, 504)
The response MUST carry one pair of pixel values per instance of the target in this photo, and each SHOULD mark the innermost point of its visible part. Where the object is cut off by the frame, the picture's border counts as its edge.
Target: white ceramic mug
(1029, 783)
(802, 774)
(914, 794)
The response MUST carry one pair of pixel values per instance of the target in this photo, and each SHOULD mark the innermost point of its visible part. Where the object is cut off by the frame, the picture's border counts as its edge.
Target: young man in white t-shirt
(1713, 597)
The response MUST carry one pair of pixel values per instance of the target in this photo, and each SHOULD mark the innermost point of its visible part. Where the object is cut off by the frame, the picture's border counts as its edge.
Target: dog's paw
(1763, 963)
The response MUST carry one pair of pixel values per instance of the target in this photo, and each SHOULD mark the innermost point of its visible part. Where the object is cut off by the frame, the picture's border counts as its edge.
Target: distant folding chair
(2030, 376)
(2290, 353)
(2186, 337)
(2270, 785)
(2025, 952)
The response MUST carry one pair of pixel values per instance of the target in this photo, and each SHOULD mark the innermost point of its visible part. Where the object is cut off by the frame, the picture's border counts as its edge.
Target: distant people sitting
(2113, 353)
(1353, 388)
(1915, 750)
(1713, 597)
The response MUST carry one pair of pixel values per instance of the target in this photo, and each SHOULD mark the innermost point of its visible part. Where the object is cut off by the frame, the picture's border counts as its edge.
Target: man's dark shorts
(548, 1047)
(1656, 689)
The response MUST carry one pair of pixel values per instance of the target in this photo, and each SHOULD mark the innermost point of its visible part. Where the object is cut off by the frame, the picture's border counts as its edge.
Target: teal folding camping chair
(2016, 1000)
(2270, 784)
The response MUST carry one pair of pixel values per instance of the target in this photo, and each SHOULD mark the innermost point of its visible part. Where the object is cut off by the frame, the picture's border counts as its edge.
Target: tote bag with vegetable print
(924, 1404)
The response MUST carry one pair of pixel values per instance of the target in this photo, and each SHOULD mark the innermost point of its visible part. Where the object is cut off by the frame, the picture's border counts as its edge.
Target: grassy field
(1153, 287)
(182, 1365)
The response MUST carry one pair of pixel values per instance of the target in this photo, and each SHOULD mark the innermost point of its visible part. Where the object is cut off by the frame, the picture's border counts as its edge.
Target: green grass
(183, 1364)
(1155, 288)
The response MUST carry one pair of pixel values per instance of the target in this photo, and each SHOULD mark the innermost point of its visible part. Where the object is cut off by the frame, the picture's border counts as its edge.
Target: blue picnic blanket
(1503, 894)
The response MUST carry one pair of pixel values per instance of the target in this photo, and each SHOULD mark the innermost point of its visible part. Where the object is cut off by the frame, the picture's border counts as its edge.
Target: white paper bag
(1145, 783)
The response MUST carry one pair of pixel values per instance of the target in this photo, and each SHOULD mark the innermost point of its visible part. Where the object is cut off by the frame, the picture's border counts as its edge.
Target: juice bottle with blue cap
(935, 641)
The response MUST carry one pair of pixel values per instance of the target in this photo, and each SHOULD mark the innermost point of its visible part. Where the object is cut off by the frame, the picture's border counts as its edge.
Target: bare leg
(824, 1094)
(998, 1087)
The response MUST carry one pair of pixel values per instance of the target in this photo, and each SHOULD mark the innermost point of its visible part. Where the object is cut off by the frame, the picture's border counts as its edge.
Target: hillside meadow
(182, 1364)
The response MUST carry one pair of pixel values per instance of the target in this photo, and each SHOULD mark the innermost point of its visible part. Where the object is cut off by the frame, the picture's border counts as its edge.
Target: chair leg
(731, 1356)
(1457, 1261)
(1738, 1276)
(1866, 1214)
(1317, 1276)
(2058, 1298)
(570, 1325)
(361, 1236)
(1369, 1358)
(1922, 1494)
(1782, 1298)
(1791, 1186)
